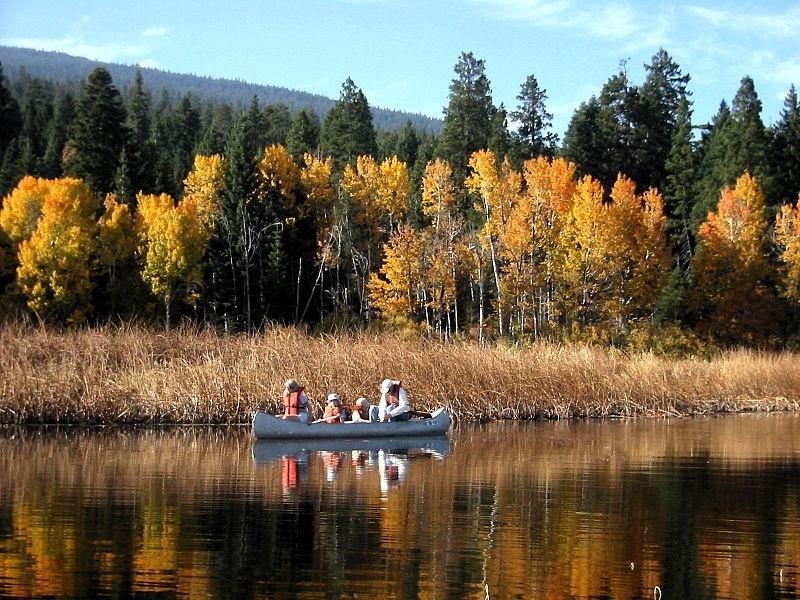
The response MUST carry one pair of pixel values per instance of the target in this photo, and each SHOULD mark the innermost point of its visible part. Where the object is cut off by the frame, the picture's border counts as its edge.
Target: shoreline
(131, 375)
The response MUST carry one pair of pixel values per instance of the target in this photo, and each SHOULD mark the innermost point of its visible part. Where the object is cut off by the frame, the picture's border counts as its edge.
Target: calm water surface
(704, 508)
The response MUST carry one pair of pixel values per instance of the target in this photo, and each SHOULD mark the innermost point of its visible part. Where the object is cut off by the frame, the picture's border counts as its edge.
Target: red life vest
(291, 402)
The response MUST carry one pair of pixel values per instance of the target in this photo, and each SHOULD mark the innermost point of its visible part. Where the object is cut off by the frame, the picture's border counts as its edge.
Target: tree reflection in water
(705, 508)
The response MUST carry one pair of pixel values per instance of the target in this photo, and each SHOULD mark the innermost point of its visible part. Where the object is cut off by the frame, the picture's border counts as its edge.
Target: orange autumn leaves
(551, 245)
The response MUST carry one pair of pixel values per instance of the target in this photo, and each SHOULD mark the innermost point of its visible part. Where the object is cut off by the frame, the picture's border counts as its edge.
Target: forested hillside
(63, 68)
(124, 203)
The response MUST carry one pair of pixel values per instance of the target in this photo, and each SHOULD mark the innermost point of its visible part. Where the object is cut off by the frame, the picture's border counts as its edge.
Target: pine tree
(737, 142)
(11, 170)
(533, 136)
(98, 133)
(679, 192)
(500, 138)
(63, 115)
(604, 137)
(681, 175)
(347, 132)
(233, 246)
(277, 122)
(185, 128)
(140, 151)
(468, 116)
(407, 144)
(10, 117)
(711, 156)
(123, 187)
(785, 150)
(303, 136)
(37, 113)
(661, 95)
(214, 137)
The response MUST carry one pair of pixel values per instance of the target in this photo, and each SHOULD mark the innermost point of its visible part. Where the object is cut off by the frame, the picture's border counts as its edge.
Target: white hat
(387, 384)
(333, 397)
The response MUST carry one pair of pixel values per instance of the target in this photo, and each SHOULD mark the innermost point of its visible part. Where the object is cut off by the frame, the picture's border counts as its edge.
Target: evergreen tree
(407, 144)
(63, 114)
(230, 256)
(185, 129)
(587, 141)
(277, 122)
(500, 138)
(347, 132)
(679, 190)
(98, 133)
(215, 135)
(140, 152)
(468, 117)
(736, 142)
(681, 175)
(10, 117)
(786, 151)
(11, 171)
(303, 134)
(533, 136)
(661, 95)
(37, 113)
(387, 144)
(123, 186)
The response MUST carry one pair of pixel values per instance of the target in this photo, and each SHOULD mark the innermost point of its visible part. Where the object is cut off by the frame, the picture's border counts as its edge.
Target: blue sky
(402, 52)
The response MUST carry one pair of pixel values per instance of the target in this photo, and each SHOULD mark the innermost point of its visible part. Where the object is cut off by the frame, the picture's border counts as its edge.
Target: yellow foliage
(279, 172)
(498, 188)
(173, 240)
(378, 189)
(393, 294)
(438, 189)
(787, 235)
(315, 179)
(731, 265)
(115, 235)
(22, 208)
(616, 259)
(54, 270)
(203, 185)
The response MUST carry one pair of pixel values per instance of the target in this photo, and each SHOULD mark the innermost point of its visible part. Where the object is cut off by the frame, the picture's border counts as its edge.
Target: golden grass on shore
(130, 374)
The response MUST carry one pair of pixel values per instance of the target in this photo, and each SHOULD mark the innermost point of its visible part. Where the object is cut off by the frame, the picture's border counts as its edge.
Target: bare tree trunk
(297, 291)
(497, 284)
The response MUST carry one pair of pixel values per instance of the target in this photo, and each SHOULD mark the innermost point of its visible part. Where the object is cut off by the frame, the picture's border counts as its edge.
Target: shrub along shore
(130, 374)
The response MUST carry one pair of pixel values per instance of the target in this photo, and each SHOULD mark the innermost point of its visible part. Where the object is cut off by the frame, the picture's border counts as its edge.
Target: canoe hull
(267, 426)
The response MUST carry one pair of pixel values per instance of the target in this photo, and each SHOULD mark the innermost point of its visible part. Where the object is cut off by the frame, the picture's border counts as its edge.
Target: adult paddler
(295, 402)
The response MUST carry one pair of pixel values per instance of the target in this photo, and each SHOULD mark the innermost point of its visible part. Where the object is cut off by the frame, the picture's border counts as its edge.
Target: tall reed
(131, 374)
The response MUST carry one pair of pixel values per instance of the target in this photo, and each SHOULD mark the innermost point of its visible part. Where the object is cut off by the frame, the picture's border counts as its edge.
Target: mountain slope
(60, 67)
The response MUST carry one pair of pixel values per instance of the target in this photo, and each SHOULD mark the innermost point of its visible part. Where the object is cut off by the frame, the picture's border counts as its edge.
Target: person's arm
(402, 405)
(382, 408)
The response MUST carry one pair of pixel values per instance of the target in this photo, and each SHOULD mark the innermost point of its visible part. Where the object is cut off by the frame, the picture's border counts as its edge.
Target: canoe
(267, 426)
(270, 450)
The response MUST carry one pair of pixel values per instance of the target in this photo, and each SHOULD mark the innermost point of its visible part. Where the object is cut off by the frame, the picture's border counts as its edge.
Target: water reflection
(387, 458)
(701, 508)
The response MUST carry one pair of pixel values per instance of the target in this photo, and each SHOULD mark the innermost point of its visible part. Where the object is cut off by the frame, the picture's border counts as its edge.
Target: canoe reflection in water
(390, 457)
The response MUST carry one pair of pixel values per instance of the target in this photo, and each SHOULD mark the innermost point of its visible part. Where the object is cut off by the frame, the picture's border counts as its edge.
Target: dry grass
(133, 375)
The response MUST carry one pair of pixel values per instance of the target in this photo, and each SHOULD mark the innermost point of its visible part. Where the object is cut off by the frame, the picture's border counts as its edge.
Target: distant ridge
(65, 68)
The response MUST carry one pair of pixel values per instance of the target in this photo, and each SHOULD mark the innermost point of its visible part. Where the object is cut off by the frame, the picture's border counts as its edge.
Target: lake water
(684, 508)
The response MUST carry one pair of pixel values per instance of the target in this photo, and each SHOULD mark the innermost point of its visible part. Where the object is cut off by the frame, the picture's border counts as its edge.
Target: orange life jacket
(291, 401)
(289, 468)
